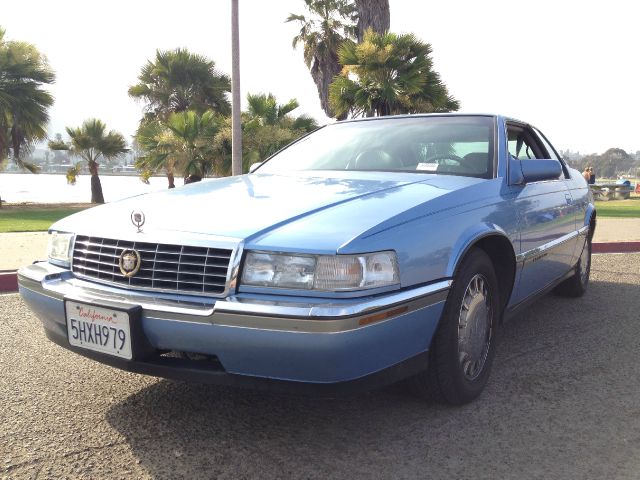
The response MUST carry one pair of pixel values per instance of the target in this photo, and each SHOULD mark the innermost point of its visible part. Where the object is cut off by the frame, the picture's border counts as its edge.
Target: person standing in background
(586, 174)
(592, 177)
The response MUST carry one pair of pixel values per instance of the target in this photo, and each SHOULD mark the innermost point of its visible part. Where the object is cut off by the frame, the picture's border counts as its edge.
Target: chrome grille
(174, 268)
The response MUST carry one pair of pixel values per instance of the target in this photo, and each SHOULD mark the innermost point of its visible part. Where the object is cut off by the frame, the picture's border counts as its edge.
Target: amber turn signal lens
(378, 317)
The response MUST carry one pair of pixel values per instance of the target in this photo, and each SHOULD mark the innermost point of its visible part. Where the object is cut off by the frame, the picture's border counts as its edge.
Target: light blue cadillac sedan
(365, 253)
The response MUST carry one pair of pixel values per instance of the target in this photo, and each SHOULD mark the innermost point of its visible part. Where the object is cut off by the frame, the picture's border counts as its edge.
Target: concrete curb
(9, 278)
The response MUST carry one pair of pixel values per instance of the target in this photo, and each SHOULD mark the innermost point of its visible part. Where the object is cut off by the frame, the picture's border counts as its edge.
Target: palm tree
(267, 126)
(264, 109)
(327, 24)
(91, 142)
(388, 74)
(178, 80)
(24, 103)
(183, 145)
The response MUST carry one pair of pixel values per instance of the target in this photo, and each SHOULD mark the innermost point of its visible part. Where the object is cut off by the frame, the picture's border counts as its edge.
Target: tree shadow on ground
(562, 402)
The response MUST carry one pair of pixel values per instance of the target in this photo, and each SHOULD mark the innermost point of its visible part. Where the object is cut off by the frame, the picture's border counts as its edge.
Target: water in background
(49, 188)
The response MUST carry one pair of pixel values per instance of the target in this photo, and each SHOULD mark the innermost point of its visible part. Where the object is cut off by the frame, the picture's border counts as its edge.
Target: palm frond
(288, 107)
(295, 18)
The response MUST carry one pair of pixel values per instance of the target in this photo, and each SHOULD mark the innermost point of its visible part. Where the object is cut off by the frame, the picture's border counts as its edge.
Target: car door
(546, 218)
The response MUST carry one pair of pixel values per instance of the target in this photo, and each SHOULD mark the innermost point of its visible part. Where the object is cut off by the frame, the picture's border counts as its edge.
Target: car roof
(414, 115)
(443, 114)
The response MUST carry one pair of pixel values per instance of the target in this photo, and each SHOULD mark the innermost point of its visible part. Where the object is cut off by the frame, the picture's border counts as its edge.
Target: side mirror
(254, 166)
(533, 170)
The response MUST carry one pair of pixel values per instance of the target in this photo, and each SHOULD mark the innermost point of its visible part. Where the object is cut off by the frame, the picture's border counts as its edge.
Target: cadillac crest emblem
(129, 262)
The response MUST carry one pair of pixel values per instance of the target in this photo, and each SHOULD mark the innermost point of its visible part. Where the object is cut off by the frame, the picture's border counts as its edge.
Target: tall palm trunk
(96, 186)
(373, 14)
(323, 72)
(171, 180)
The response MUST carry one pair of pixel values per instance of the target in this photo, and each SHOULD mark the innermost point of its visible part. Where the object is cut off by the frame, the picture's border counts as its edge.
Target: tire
(576, 285)
(460, 358)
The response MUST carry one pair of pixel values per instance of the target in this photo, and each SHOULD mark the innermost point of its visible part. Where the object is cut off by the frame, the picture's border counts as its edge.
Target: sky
(569, 67)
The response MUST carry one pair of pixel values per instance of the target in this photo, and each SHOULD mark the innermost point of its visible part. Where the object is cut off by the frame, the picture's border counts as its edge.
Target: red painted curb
(616, 247)
(8, 282)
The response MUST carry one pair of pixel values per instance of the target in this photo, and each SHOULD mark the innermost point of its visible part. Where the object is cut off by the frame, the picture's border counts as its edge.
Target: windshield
(460, 145)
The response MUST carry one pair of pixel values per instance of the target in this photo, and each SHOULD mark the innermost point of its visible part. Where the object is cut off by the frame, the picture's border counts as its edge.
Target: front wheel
(464, 344)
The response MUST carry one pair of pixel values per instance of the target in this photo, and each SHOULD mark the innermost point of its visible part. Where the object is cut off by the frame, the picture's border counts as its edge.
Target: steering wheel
(374, 159)
(443, 156)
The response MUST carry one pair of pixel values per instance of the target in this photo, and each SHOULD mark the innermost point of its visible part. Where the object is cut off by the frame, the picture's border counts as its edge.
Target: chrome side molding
(542, 249)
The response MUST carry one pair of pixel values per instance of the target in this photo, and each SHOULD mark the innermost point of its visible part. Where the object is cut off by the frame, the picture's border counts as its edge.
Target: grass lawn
(620, 208)
(33, 218)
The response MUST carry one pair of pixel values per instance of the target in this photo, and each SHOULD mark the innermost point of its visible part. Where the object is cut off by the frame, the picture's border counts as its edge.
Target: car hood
(250, 207)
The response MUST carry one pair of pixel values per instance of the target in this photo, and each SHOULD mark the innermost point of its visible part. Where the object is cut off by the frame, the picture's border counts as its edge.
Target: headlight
(59, 248)
(321, 272)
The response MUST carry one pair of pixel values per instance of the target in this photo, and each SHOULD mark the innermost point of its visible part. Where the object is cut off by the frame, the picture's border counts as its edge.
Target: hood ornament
(137, 218)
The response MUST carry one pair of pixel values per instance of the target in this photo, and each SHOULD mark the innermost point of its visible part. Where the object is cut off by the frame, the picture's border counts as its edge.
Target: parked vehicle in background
(367, 252)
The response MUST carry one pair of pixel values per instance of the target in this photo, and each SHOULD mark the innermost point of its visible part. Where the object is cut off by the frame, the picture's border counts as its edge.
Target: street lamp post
(236, 128)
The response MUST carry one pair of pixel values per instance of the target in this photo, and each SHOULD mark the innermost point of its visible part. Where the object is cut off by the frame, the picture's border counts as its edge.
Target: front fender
(470, 237)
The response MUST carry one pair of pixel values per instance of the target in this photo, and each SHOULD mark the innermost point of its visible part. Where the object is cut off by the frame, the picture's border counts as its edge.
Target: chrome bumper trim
(239, 306)
(235, 311)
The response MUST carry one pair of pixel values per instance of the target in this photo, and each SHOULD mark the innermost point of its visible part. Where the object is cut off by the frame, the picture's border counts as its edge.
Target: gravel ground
(563, 402)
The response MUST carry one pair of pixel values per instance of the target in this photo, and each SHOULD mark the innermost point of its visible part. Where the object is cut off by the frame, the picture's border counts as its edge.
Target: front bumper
(256, 340)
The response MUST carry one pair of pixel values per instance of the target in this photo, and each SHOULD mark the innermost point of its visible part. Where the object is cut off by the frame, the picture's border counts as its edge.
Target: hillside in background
(613, 163)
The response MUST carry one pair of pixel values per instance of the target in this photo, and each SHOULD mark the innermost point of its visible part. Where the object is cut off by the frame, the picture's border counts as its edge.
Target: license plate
(100, 329)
